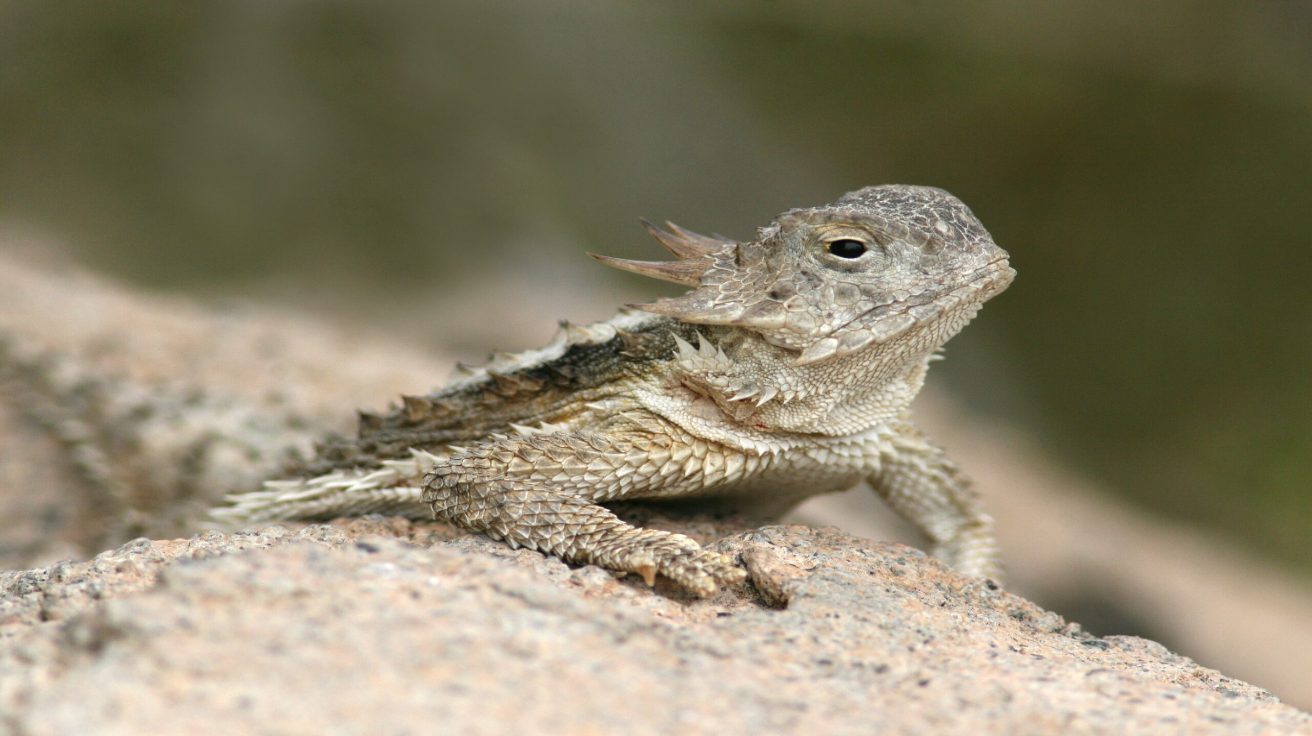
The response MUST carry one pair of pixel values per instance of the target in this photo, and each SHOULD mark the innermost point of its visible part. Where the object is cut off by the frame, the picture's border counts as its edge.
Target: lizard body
(786, 371)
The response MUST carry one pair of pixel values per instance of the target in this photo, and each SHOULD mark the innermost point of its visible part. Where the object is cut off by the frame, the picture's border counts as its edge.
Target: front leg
(920, 483)
(540, 491)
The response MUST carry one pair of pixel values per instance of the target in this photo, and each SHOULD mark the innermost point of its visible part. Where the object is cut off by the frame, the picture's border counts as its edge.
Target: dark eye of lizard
(847, 248)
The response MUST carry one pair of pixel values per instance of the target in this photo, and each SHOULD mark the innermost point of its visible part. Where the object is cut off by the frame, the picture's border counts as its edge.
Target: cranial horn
(690, 308)
(685, 243)
(687, 272)
(713, 241)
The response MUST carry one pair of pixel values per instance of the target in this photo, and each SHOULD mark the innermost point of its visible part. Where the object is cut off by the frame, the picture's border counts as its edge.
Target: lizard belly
(769, 474)
(773, 493)
(768, 495)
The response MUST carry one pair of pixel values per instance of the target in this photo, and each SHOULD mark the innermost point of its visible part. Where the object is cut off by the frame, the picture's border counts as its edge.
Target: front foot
(973, 550)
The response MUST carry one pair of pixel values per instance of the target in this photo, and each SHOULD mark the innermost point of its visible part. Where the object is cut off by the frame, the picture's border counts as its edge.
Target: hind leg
(542, 491)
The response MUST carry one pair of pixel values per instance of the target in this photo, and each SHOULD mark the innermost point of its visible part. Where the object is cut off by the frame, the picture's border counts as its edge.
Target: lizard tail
(394, 489)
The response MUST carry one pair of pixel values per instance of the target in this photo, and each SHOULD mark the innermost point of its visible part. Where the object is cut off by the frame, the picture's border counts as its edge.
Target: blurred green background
(1148, 165)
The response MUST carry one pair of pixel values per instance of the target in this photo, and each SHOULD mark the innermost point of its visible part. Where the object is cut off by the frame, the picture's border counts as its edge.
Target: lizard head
(833, 280)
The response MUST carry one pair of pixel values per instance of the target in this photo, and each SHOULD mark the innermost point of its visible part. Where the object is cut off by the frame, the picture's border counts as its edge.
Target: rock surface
(388, 627)
(378, 626)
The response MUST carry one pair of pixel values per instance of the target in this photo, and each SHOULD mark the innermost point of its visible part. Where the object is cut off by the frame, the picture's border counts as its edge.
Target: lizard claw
(692, 568)
(647, 572)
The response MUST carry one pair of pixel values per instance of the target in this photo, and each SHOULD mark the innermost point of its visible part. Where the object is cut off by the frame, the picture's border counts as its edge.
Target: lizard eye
(847, 248)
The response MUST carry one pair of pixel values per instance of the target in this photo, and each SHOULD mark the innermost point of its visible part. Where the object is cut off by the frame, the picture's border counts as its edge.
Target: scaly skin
(787, 371)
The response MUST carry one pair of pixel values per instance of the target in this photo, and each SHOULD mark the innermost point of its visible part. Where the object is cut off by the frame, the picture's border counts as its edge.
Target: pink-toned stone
(389, 627)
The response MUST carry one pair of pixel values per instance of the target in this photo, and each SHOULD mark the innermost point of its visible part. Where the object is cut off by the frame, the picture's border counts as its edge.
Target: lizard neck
(759, 385)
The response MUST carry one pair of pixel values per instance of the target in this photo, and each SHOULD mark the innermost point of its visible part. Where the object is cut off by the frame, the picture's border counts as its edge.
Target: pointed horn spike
(631, 341)
(687, 272)
(818, 351)
(369, 420)
(704, 347)
(683, 243)
(686, 350)
(746, 392)
(704, 240)
(503, 383)
(572, 333)
(687, 310)
(416, 407)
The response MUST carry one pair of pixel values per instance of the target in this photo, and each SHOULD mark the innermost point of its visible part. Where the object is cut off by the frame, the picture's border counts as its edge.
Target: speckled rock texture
(387, 627)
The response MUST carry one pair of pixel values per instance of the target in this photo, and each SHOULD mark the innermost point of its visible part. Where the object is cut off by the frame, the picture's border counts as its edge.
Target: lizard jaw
(896, 318)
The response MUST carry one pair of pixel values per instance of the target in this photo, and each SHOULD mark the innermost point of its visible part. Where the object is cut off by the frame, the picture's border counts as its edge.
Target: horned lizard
(785, 372)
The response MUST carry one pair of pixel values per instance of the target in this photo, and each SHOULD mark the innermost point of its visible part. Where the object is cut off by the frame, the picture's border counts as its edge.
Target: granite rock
(384, 626)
